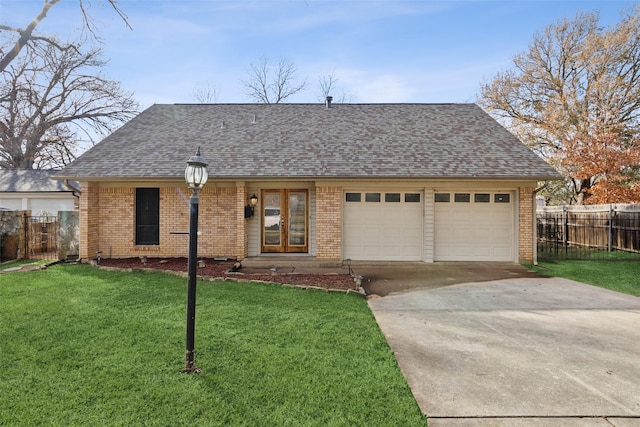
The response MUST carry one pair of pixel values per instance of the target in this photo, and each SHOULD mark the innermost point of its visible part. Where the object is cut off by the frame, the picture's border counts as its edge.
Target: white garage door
(474, 226)
(383, 226)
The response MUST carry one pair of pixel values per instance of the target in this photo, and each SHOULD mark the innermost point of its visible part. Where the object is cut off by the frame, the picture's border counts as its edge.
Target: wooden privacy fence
(582, 231)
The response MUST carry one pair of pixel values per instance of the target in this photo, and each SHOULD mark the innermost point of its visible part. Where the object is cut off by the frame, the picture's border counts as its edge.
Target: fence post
(25, 225)
(565, 229)
(610, 236)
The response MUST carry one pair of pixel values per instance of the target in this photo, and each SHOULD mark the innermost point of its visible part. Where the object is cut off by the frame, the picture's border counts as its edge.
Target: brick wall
(107, 221)
(242, 225)
(526, 224)
(219, 222)
(329, 222)
(107, 218)
(89, 214)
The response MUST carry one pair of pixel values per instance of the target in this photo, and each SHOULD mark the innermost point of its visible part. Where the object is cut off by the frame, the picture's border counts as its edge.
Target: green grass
(584, 253)
(81, 346)
(23, 262)
(621, 273)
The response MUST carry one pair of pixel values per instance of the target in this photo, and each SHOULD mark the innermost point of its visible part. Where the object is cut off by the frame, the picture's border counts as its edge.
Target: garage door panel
(393, 251)
(474, 231)
(459, 251)
(482, 217)
(372, 251)
(482, 252)
(383, 231)
(371, 236)
(501, 234)
(460, 234)
(502, 252)
(481, 234)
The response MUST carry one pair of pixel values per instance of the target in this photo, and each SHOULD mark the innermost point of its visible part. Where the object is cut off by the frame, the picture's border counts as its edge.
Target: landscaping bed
(223, 269)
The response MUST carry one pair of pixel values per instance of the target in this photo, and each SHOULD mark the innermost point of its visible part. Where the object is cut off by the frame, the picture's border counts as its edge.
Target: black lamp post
(196, 176)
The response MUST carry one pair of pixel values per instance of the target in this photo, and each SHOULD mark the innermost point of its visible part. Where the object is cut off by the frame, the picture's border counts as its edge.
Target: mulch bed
(222, 269)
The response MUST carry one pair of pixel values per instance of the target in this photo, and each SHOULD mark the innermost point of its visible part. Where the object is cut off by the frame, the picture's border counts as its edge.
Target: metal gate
(41, 237)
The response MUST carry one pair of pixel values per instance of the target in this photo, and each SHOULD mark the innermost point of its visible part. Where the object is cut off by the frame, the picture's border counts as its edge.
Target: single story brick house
(374, 182)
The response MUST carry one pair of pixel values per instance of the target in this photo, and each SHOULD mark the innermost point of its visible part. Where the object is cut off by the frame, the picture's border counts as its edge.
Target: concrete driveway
(391, 277)
(520, 351)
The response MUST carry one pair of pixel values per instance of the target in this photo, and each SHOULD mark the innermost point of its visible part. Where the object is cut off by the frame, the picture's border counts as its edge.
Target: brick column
(242, 232)
(526, 244)
(89, 221)
(329, 222)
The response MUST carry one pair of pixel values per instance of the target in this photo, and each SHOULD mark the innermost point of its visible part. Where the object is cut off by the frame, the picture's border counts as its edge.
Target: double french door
(285, 221)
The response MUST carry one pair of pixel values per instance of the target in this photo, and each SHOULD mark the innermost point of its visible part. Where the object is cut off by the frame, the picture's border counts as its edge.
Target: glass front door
(285, 221)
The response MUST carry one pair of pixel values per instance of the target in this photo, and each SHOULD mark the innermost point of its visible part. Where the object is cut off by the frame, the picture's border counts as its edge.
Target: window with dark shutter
(147, 216)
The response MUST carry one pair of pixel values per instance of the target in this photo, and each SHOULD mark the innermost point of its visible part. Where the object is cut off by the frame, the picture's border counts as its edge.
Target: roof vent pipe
(328, 103)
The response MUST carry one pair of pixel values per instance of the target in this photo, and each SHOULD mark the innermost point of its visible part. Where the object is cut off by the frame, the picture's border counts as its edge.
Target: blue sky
(380, 51)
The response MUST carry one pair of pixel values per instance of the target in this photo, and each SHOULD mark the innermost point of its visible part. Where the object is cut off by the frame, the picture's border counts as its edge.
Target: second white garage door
(474, 227)
(383, 226)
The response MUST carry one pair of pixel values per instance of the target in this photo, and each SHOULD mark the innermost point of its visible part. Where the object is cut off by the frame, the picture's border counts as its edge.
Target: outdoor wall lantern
(196, 176)
(250, 208)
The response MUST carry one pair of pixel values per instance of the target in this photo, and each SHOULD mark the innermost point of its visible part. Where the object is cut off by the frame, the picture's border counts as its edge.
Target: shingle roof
(31, 181)
(243, 141)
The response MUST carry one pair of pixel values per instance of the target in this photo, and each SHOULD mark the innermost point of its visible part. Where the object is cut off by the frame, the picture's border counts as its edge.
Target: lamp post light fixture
(196, 176)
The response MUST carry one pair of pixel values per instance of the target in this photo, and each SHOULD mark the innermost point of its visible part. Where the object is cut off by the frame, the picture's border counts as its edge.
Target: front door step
(289, 261)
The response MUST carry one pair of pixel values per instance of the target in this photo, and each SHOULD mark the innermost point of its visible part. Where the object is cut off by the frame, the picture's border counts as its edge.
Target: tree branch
(25, 35)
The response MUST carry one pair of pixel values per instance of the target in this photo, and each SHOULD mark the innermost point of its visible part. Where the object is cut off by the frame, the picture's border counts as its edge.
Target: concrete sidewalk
(517, 352)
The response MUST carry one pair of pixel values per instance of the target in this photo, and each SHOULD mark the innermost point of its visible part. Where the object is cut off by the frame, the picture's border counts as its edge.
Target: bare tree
(272, 85)
(573, 96)
(25, 35)
(205, 94)
(328, 87)
(49, 98)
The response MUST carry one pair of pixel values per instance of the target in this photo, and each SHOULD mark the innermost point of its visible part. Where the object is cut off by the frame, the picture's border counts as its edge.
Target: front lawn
(23, 263)
(620, 273)
(82, 346)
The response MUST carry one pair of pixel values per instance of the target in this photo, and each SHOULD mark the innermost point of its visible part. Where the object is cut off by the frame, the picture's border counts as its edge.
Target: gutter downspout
(75, 191)
(535, 222)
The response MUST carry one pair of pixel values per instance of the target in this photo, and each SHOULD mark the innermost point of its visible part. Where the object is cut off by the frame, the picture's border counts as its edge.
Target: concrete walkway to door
(522, 351)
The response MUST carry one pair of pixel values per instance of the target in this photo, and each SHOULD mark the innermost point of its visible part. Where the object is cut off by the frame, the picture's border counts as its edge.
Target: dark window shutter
(147, 216)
